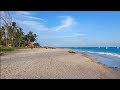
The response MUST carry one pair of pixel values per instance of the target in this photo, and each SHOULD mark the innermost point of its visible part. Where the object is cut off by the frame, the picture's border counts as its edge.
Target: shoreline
(53, 63)
(95, 59)
(92, 58)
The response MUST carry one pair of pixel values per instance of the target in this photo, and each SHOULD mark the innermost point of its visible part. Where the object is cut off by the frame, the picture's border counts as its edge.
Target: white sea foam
(101, 53)
(105, 53)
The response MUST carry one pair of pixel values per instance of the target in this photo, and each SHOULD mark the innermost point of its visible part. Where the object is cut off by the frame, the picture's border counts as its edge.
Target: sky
(71, 28)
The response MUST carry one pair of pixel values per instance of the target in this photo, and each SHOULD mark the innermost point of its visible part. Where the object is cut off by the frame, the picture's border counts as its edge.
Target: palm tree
(36, 44)
(15, 35)
(32, 37)
(29, 38)
(14, 24)
(10, 34)
(14, 27)
(2, 34)
(20, 35)
(25, 40)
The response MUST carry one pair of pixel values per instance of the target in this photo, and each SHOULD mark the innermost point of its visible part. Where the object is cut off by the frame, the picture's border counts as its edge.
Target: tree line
(14, 35)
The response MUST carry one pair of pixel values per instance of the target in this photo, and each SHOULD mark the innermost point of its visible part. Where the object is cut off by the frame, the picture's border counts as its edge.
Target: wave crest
(104, 53)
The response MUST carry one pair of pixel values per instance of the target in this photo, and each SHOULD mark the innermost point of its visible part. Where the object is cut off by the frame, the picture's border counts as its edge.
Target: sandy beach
(40, 63)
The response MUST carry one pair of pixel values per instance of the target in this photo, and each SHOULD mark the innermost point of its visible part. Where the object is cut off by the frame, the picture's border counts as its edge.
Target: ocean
(109, 56)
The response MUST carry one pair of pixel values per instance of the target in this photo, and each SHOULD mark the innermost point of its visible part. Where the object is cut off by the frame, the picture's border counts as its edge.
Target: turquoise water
(109, 56)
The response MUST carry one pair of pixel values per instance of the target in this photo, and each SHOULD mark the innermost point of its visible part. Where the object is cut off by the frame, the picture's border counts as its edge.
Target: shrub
(7, 49)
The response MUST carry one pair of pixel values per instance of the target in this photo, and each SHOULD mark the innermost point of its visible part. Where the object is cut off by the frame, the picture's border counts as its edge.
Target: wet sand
(40, 63)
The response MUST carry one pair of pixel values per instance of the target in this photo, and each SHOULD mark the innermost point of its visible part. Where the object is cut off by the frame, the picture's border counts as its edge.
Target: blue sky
(71, 28)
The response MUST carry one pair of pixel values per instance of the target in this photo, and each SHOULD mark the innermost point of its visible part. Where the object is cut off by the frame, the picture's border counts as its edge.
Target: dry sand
(57, 63)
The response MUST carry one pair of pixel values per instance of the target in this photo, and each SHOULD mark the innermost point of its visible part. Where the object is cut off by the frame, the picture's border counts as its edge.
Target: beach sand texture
(40, 63)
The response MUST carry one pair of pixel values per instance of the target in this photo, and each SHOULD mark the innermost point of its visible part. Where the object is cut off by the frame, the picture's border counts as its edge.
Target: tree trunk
(19, 43)
(12, 43)
(0, 41)
(6, 43)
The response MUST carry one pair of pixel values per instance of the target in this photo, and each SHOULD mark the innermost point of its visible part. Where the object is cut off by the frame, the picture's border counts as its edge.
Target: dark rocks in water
(46, 47)
(52, 47)
(49, 47)
(115, 67)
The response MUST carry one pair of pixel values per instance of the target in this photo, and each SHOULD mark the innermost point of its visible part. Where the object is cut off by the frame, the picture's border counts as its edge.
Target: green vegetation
(6, 49)
(15, 36)
(11, 35)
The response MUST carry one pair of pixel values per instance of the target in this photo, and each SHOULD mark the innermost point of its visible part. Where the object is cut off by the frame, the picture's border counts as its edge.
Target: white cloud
(35, 18)
(79, 34)
(27, 16)
(76, 35)
(36, 25)
(23, 12)
(30, 25)
(67, 22)
(29, 22)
